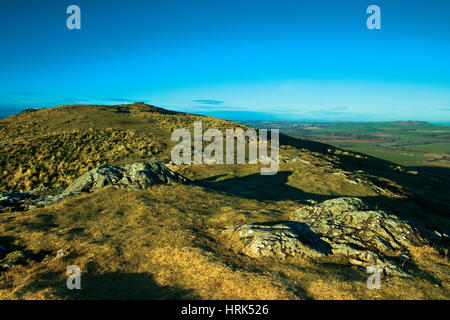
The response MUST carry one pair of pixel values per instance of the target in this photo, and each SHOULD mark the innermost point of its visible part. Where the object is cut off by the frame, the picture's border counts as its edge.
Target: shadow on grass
(427, 187)
(256, 186)
(107, 286)
(259, 187)
(437, 170)
(45, 224)
(275, 188)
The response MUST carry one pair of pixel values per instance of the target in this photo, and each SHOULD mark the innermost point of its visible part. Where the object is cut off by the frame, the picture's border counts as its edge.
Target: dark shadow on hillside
(306, 144)
(437, 171)
(107, 286)
(370, 164)
(275, 188)
(346, 162)
(259, 187)
(45, 224)
(429, 189)
(7, 243)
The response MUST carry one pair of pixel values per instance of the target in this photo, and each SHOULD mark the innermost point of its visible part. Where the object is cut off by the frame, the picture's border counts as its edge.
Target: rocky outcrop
(136, 176)
(280, 240)
(342, 227)
(20, 201)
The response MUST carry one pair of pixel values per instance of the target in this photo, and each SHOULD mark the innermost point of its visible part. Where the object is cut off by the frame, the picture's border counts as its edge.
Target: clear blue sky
(237, 59)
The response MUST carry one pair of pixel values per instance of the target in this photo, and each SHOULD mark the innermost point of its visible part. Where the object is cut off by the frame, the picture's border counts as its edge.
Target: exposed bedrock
(342, 226)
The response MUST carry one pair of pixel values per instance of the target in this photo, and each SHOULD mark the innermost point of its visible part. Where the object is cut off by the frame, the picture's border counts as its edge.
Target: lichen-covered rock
(364, 236)
(343, 227)
(280, 240)
(136, 176)
(19, 201)
(349, 221)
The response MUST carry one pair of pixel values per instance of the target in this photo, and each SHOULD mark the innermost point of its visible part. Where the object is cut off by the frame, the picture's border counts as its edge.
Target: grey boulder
(136, 176)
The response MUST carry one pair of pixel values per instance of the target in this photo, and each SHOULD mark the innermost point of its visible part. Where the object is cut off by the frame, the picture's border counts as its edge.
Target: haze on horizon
(240, 60)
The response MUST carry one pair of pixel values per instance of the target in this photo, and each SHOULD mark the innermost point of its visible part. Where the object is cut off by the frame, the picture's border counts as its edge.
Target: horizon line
(14, 110)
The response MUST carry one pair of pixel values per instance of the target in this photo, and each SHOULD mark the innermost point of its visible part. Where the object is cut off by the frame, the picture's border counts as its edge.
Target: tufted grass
(163, 243)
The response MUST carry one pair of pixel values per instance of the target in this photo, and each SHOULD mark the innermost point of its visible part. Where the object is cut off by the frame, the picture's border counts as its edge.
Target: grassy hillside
(50, 147)
(164, 242)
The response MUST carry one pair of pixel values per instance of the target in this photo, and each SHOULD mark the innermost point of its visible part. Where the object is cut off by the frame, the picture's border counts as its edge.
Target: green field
(409, 143)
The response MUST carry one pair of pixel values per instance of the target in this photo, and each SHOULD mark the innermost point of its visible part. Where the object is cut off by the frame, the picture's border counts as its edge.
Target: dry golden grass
(52, 147)
(128, 235)
(162, 243)
(57, 159)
